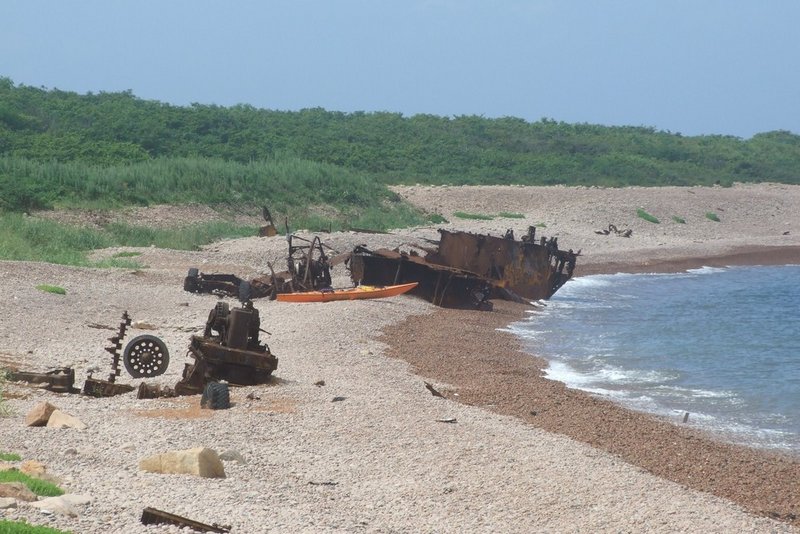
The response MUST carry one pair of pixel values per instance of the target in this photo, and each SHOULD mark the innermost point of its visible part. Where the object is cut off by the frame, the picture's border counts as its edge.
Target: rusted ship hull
(466, 270)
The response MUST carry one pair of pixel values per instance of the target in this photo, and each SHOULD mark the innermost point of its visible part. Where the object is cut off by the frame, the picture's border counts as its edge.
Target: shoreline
(480, 364)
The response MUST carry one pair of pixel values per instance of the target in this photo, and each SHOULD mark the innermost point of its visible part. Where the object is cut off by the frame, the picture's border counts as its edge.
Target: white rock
(59, 419)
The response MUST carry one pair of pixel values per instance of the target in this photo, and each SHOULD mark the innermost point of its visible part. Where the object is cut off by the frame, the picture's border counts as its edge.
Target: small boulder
(56, 505)
(40, 414)
(17, 490)
(59, 419)
(200, 461)
(32, 468)
(7, 502)
(232, 456)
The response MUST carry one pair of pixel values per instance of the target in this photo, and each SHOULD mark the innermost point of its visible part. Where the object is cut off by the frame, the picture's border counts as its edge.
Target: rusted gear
(146, 356)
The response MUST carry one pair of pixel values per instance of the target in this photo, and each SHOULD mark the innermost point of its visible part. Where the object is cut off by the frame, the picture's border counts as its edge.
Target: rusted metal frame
(153, 516)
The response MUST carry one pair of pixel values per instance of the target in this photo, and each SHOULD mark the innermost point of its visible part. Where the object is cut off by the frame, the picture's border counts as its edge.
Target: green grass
(39, 487)
(473, 216)
(10, 457)
(51, 289)
(679, 220)
(126, 254)
(435, 218)
(646, 216)
(510, 215)
(20, 527)
(712, 216)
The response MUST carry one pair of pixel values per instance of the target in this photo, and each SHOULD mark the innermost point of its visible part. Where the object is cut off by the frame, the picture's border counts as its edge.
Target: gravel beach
(524, 454)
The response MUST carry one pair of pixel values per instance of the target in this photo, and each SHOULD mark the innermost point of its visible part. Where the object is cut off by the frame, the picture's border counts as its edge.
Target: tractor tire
(192, 281)
(216, 396)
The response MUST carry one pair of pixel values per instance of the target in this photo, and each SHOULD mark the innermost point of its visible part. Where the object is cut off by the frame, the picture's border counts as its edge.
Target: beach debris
(153, 516)
(433, 390)
(269, 229)
(319, 383)
(686, 417)
(216, 396)
(466, 270)
(59, 380)
(338, 399)
(308, 268)
(326, 483)
(146, 356)
(199, 461)
(229, 351)
(108, 388)
(447, 420)
(612, 229)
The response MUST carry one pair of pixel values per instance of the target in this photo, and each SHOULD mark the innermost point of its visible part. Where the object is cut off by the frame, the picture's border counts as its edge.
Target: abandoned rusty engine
(229, 350)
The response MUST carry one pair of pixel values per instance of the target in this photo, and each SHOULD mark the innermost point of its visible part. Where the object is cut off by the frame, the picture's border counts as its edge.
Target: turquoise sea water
(721, 344)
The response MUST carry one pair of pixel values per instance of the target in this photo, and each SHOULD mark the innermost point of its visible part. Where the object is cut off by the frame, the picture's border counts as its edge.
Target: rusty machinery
(229, 350)
(467, 269)
(308, 268)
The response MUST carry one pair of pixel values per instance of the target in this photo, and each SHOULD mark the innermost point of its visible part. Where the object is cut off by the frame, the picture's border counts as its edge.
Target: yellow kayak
(360, 292)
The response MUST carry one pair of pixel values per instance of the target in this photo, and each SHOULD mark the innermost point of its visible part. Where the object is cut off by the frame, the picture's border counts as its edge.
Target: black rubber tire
(146, 356)
(245, 291)
(192, 281)
(216, 396)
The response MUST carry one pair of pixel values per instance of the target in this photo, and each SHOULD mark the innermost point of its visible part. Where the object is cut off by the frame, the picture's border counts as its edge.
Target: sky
(695, 67)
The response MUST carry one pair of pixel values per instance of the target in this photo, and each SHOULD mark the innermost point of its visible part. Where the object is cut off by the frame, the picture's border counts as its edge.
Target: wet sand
(477, 364)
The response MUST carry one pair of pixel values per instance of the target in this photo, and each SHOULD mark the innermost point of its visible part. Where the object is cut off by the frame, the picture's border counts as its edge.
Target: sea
(719, 344)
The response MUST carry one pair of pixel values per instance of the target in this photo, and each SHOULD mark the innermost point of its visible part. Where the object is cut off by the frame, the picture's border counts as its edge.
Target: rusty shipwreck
(466, 270)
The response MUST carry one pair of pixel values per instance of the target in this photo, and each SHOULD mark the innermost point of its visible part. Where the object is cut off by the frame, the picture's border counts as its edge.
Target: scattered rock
(59, 419)
(232, 456)
(143, 325)
(338, 399)
(32, 468)
(7, 502)
(253, 396)
(40, 414)
(17, 490)
(447, 420)
(200, 461)
(319, 383)
(63, 505)
(71, 452)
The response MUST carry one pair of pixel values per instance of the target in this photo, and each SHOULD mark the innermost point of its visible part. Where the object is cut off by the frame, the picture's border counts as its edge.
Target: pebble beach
(503, 450)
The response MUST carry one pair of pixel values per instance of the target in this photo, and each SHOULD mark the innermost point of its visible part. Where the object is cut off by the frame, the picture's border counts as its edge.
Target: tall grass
(280, 183)
(32, 239)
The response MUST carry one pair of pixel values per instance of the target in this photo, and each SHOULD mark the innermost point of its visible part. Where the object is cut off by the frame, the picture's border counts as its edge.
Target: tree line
(113, 129)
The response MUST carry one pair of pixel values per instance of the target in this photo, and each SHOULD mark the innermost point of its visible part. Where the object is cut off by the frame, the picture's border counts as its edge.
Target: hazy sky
(727, 67)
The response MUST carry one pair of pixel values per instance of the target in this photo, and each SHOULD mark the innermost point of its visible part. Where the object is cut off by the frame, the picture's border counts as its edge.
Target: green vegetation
(508, 215)
(21, 527)
(10, 457)
(37, 486)
(435, 218)
(712, 216)
(679, 220)
(126, 254)
(646, 216)
(51, 289)
(473, 216)
(319, 169)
